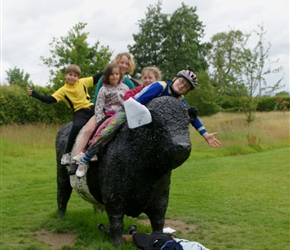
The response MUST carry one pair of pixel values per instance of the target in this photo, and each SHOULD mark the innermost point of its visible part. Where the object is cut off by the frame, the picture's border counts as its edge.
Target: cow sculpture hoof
(132, 174)
(60, 214)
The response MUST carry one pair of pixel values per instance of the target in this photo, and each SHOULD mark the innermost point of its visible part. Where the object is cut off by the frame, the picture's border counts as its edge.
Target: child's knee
(89, 128)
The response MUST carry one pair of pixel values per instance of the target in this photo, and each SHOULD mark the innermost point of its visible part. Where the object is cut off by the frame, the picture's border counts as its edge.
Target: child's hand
(211, 140)
(29, 90)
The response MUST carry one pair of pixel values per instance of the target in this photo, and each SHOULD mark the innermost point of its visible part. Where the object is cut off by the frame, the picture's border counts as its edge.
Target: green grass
(237, 202)
(233, 197)
(270, 130)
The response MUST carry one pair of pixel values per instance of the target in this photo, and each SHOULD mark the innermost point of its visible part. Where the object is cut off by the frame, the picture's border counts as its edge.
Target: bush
(230, 104)
(273, 103)
(18, 108)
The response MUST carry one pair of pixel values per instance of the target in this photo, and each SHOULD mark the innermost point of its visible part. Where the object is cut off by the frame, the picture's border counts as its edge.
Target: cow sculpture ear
(137, 114)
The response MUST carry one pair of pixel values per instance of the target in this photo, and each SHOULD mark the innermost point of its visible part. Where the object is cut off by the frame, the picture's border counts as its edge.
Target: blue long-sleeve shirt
(162, 88)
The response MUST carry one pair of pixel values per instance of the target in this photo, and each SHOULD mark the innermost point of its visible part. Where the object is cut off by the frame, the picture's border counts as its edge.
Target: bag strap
(172, 247)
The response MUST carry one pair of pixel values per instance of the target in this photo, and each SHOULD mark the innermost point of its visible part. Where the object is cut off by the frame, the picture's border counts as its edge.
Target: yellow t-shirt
(75, 96)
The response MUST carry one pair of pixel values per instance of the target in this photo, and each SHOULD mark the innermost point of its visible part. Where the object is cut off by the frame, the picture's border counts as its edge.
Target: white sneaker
(82, 169)
(65, 159)
(78, 157)
(94, 158)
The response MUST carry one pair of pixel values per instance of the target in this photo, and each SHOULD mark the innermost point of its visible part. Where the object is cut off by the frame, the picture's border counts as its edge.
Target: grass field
(233, 197)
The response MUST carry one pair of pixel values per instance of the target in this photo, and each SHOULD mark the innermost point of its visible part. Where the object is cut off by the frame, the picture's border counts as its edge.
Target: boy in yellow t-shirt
(74, 93)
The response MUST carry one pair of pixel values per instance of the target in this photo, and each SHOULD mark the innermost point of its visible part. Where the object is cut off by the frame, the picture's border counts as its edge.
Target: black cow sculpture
(132, 174)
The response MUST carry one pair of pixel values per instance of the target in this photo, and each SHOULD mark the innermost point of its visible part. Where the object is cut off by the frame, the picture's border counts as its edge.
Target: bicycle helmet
(190, 76)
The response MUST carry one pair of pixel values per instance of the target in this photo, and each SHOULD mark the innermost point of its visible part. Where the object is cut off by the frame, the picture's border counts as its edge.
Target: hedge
(17, 107)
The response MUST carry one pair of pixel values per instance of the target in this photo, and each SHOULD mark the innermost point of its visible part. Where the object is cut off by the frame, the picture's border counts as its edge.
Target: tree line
(231, 73)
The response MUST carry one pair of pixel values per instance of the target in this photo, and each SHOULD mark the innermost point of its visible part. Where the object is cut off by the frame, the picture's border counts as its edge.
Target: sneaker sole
(65, 163)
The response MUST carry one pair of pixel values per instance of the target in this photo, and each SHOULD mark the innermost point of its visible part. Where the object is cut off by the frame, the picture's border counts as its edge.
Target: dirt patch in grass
(177, 225)
(55, 240)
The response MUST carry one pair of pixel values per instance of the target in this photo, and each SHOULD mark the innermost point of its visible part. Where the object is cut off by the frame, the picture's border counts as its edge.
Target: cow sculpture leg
(157, 210)
(157, 220)
(64, 188)
(116, 228)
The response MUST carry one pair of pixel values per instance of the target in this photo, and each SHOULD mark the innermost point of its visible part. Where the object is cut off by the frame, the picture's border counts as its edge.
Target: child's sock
(86, 158)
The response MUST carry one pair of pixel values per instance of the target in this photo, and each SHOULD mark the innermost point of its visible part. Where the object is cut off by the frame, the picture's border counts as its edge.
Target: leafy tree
(147, 49)
(256, 65)
(17, 76)
(239, 70)
(182, 48)
(171, 42)
(225, 61)
(74, 49)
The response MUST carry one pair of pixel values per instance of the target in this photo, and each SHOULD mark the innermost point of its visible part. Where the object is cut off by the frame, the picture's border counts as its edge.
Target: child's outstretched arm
(209, 137)
(46, 99)
(97, 77)
(197, 124)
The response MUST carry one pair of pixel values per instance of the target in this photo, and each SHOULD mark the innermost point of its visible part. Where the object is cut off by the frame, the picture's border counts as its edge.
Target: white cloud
(29, 26)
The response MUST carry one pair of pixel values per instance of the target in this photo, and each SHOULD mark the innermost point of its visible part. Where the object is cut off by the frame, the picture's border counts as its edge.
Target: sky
(28, 27)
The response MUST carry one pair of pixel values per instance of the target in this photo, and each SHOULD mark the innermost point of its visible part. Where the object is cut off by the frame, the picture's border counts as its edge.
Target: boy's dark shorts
(81, 116)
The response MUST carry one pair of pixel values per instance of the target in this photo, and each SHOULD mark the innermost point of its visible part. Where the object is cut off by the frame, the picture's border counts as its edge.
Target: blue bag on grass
(171, 245)
(155, 241)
